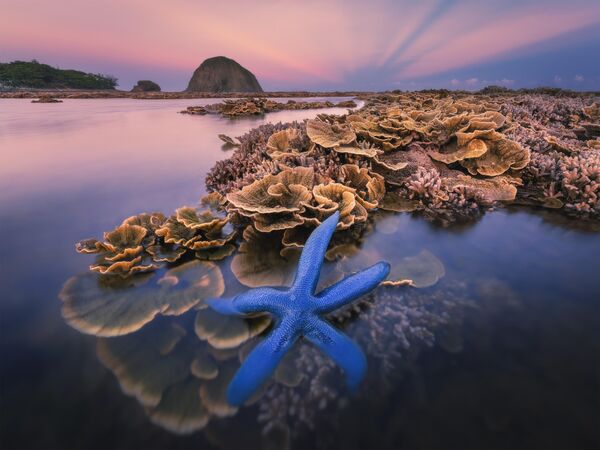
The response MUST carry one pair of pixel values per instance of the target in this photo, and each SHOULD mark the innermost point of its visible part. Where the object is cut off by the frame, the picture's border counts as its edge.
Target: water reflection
(119, 142)
(113, 306)
(179, 383)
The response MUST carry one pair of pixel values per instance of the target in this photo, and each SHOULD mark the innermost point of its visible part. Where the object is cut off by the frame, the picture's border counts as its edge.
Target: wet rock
(46, 99)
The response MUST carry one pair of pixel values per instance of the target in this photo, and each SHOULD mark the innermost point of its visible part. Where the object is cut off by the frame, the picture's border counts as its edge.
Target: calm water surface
(502, 352)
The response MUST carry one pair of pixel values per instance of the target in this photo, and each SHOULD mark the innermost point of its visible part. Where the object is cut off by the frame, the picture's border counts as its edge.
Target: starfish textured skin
(298, 312)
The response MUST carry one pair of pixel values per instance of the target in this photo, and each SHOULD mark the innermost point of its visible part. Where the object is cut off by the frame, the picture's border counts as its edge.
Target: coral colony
(258, 106)
(298, 311)
(446, 156)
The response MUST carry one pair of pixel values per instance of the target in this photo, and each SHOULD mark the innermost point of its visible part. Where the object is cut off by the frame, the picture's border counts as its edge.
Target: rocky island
(221, 74)
(217, 77)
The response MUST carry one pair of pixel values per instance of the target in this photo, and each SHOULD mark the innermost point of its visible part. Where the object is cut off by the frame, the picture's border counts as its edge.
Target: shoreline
(94, 94)
(167, 95)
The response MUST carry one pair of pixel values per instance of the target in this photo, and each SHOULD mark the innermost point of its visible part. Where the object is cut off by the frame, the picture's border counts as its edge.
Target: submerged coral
(179, 383)
(112, 306)
(394, 327)
(298, 312)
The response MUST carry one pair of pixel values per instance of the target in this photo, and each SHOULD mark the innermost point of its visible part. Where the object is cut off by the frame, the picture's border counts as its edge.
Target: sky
(316, 44)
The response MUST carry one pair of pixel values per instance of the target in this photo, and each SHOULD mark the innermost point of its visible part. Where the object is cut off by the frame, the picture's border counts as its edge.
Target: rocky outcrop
(221, 74)
(256, 106)
(146, 86)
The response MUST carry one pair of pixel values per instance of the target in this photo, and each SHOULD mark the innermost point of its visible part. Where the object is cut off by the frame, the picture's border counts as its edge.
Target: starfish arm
(352, 287)
(253, 301)
(261, 363)
(341, 349)
(309, 267)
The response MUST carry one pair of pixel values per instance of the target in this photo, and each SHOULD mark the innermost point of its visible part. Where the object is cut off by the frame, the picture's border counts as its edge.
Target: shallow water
(502, 352)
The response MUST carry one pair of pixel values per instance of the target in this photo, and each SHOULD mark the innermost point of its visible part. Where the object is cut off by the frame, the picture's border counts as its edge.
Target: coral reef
(563, 136)
(448, 155)
(181, 381)
(258, 106)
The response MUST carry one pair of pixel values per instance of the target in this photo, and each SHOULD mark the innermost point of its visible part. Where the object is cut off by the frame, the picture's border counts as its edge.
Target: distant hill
(32, 74)
(221, 74)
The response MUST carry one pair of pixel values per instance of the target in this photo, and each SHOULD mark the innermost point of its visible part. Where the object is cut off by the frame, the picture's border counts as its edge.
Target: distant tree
(32, 74)
(110, 79)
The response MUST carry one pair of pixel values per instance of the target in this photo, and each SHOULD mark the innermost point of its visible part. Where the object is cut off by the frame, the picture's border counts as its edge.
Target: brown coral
(121, 253)
(202, 221)
(329, 135)
(280, 144)
(225, 332)
(276, 201)
(282, 193)
(422, 270)
(195, 232)
(486, 191)
(370, 187)
(143, 241)
(338, 197)
(484, 152)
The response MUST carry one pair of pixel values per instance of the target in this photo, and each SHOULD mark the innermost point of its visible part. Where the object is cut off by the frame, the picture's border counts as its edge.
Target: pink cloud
(484, 41)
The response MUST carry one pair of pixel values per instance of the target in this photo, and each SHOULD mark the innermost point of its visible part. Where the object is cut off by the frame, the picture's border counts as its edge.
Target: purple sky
(327, 45)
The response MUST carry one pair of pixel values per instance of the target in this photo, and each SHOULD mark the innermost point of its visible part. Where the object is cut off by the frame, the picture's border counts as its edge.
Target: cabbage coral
(143, 242)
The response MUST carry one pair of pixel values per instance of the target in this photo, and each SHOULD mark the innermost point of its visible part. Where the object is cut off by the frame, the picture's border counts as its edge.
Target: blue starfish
(298, 312)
